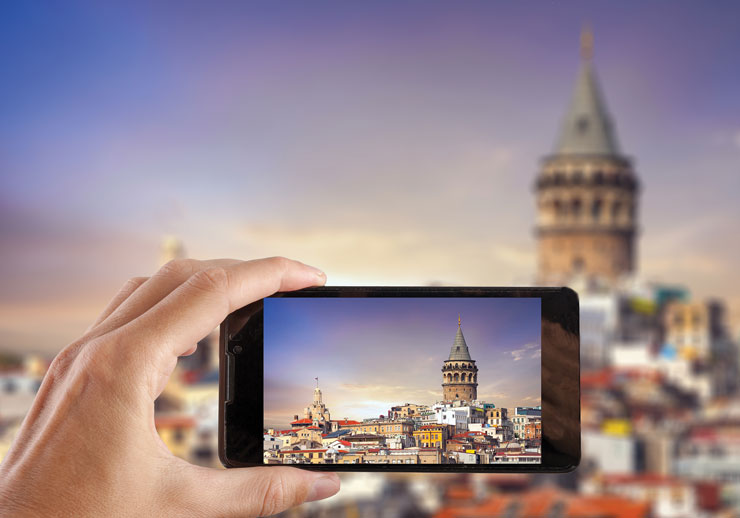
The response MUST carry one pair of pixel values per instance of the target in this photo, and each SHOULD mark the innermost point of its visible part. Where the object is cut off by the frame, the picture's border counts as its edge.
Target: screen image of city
(402, 381)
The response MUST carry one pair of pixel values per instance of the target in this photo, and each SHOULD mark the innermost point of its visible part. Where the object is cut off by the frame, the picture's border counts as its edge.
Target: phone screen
(427, 380)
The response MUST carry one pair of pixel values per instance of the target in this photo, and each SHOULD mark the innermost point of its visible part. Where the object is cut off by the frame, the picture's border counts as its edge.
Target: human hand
(88, 446)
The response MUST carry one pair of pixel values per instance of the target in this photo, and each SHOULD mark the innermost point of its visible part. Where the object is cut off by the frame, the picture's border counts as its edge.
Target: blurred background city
(589, 144)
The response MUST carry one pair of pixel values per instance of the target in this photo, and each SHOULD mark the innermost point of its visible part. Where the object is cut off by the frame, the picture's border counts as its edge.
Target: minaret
(586, 192)
(459, 373)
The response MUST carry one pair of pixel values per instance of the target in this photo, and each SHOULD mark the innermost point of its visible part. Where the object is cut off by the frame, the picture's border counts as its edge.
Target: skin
(88, 446)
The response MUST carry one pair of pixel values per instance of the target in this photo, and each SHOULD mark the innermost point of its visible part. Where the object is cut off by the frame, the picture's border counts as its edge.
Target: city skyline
(371, 354)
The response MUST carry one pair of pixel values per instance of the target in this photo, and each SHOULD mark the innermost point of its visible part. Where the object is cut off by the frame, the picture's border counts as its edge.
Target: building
(586, 192)
(312, 456)
(670, 497)
(177, 432)
(459, 372)
(522, 417)
(431, 436)
(546, 502)
(458, 414)
(406, 411)
(317, 411)
(384, 427)
(389, 456)
(533, 430)
(496, 416)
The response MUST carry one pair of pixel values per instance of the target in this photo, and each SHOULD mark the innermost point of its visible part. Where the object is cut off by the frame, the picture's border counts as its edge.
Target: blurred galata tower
(586, 192)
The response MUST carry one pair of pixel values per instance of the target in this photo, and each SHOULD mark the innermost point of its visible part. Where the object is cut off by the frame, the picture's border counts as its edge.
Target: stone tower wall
(586, 218)
(455, 388)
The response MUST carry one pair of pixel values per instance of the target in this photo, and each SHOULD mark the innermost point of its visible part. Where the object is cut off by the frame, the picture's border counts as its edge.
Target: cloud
(374, 254)
(532, 399)
(528, 351)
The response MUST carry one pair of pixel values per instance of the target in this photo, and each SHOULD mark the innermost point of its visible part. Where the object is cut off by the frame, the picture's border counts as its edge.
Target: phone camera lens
(237, 349)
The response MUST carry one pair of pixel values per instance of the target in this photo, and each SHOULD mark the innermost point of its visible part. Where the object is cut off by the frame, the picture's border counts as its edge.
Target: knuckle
(63, 361)
(280, 263)
(178, 268)
(211, 279)
(275, 495)
(133, 283)
(95, 363)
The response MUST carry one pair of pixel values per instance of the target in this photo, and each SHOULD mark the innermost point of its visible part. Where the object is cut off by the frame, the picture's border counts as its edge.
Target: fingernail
(318, 273)
(323, 487)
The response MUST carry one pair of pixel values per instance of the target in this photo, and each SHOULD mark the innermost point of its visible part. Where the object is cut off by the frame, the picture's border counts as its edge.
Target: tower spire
(587, 42)
(587, 128)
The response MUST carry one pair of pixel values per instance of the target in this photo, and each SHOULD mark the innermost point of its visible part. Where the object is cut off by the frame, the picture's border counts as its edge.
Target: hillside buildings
(457, 429)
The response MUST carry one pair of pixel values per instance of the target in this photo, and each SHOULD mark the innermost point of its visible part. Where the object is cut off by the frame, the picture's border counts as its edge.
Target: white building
(458, 416)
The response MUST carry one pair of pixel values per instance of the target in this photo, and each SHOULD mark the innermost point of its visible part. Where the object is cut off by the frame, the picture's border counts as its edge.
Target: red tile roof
(302, 421)
(539, 502)
(346, 422)
(644, 479)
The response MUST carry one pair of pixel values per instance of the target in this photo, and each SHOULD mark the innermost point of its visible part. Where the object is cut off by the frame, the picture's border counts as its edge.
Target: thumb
(262, 491)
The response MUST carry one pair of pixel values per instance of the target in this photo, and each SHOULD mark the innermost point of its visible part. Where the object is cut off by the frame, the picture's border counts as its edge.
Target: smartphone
(403, 379)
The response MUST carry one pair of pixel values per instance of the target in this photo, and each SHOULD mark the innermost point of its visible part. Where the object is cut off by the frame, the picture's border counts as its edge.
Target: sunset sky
(371, 354)
(387, 143)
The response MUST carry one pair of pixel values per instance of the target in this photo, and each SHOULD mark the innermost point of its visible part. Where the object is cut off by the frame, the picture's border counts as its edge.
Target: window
(582, 124)
(576, 207)
(557, 208)
(616, 210)
(596, 209)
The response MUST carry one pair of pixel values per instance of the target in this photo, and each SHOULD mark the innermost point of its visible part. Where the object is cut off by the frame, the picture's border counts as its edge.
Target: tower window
(577, 177)
(596, 209)
(557, 207)
(582, 124)
(576, 207)
(616, 210)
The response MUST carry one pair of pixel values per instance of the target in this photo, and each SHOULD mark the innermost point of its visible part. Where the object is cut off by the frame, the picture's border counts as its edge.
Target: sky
(371, 354)
(385, 142)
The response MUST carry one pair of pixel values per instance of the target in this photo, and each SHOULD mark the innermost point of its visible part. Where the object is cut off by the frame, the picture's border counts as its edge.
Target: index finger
(201, 303)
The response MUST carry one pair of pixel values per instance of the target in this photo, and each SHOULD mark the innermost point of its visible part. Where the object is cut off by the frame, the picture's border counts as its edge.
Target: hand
(88, 446)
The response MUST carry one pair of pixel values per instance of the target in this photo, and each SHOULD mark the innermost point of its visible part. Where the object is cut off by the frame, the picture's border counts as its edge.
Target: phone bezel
(240, 418)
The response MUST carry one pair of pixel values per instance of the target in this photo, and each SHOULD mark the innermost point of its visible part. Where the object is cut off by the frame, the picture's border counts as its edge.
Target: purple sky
(370, 354)
(386, 143)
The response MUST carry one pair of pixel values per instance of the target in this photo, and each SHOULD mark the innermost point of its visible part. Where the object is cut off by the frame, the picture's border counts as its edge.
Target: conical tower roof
(587, 128)
(459, 350)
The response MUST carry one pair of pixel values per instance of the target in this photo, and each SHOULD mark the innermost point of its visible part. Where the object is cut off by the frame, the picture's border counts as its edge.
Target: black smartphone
(403, 379)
